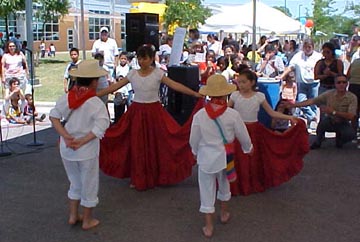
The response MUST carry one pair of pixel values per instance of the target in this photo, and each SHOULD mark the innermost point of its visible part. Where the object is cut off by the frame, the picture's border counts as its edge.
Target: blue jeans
(344, 131)
(308, 91)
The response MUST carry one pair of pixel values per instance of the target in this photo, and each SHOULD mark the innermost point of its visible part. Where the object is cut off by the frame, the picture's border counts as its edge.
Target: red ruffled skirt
(148, 146)
(276, 159)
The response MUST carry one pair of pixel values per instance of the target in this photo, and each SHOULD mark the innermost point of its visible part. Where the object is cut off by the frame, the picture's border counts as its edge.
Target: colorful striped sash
(229, 149)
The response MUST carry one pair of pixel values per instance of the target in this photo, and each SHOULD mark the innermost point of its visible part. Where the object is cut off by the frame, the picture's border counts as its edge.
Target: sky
(292, 5)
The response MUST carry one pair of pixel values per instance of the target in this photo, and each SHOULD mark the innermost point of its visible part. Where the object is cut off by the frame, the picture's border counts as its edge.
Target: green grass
(50, 73)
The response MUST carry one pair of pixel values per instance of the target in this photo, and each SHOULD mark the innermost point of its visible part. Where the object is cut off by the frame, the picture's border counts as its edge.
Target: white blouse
(146, 88)
(248, 107)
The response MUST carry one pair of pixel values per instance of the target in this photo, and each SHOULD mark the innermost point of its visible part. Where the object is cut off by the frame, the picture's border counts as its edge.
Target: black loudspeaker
(141, 28)
(180, 105)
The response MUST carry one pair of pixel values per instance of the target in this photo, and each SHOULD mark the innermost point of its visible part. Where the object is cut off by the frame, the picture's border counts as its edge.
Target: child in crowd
(14, 103)
(69, 82)
(281, 125)
(30, 111)
(289, 88)
(208, 67)
(104, 81)
(146, 136)
(87, 119)
(210, 128)
(124, 95)
(274, 160)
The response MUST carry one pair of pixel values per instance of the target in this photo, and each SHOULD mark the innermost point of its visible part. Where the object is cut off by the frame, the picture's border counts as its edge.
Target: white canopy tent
(239, 18)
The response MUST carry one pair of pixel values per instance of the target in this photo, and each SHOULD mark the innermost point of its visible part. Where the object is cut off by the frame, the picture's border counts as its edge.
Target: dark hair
(146, 50)
(250, 75)
(99, 56)
(17, 51)
(13, 80)
(195, 32)
(329, 46)
(270, 47)
(74, 49)
(84, 81)
(286, 111)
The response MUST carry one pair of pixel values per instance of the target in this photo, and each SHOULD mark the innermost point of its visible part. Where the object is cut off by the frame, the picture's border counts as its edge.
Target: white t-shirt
(304, 66)
(109, 49)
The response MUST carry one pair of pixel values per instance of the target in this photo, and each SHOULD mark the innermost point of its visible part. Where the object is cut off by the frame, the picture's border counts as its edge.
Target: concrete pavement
(321, 204)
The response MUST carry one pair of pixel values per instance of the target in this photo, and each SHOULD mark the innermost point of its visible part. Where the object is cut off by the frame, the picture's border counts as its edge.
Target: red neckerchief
(78, 95)
(215, 111)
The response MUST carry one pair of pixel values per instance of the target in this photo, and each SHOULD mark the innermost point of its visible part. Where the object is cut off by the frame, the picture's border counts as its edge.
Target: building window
(11, 24)
(95, 23)
(49, 31)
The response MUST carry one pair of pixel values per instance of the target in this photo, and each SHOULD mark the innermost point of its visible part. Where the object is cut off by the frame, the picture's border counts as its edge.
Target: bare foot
(207, 232)
(132, 186)
(225, 217)
(90, 224)
(75, 219)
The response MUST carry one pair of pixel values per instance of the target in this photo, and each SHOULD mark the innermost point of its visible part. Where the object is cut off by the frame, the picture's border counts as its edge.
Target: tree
(286, 11)
(51, 11)
(322, 11)
(188, 14)
(8, 7)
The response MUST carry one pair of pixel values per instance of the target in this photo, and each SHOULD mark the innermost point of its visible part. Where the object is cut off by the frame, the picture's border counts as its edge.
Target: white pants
(84, 181)
(207, 186)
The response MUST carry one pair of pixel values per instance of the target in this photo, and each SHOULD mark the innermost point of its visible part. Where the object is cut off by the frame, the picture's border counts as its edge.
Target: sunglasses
(12, 45)
(341, 82)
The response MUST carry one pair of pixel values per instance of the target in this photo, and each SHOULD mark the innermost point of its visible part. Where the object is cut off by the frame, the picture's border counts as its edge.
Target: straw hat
(217, 86)
(88, 69)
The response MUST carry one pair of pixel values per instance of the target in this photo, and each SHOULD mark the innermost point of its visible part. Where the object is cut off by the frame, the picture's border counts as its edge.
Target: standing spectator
(69, 82)
(87, 119)
(328, 68)
(103, 81)
(214, 45)
(42, 48)
(52, 50)
(194, 36)
(108, 47)
(213, 129)
(339, 107)
(353, 76)
(303, 63)
(14, 65)
(17, 41)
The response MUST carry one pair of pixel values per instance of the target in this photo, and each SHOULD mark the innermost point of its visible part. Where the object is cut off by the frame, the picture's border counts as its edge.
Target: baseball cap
(104, 29)
(273, 39)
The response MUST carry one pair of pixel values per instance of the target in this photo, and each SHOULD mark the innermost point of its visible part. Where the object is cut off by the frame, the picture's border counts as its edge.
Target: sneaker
(313, 125)
(42, 117)
(315, 146)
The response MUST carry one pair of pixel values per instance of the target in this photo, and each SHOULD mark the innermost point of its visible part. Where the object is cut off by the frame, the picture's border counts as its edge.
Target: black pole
(35, 142)
(2, 152)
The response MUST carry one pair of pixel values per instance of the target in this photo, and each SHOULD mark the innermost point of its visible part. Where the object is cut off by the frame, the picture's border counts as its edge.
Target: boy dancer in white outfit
(86, 121)
(207, 145)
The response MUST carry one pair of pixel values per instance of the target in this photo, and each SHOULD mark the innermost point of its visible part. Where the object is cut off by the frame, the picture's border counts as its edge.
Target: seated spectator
(14, 103)
(281, 125)
(30, 111)
(339, 107)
